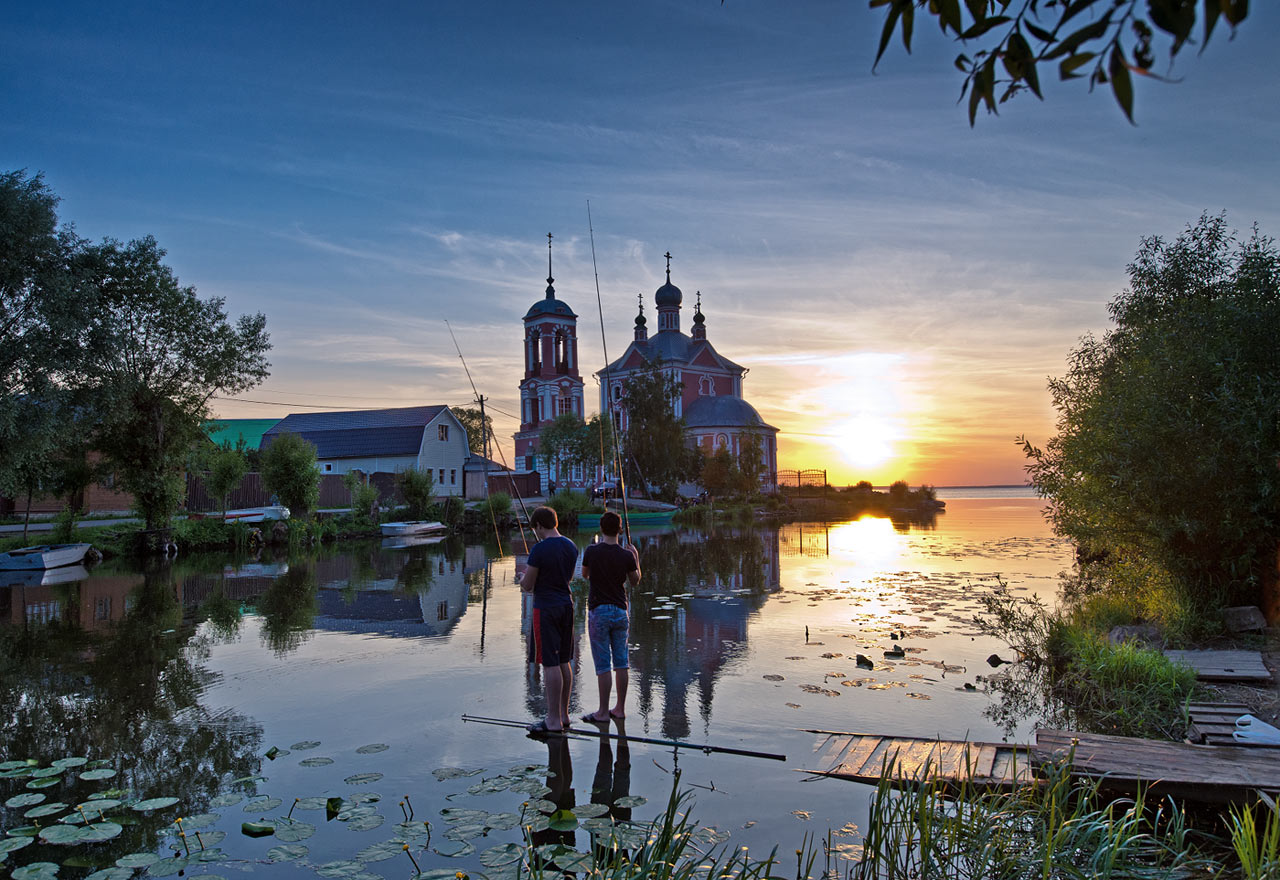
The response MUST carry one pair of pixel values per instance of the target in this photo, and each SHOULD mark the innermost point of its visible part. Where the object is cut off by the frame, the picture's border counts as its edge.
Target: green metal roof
(231, 430)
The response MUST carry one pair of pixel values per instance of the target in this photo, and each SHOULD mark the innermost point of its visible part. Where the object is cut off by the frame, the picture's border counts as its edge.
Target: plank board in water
(865, 759)
(1224, 665)
(983, 767)
(851, 761)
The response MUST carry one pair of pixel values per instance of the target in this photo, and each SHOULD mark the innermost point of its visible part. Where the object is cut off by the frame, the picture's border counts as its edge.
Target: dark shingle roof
(359, 433)
(675, 349)
(723, 412)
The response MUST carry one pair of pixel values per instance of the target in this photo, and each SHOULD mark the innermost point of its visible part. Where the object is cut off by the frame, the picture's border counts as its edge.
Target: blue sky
(899, 284)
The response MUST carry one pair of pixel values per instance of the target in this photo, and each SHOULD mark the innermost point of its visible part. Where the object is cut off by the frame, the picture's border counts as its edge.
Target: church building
(711, 401)
(552, 385)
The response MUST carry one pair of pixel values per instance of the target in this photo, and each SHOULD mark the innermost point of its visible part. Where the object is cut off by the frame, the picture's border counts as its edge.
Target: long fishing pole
(484, 428)
(613, 432)
(674, 743)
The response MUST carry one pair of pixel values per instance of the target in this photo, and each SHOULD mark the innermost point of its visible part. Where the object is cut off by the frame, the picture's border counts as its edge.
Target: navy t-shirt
(609, 565)
(555, 559)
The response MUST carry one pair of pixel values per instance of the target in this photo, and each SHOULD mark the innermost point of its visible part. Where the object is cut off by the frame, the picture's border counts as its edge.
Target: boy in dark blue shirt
(547, 575)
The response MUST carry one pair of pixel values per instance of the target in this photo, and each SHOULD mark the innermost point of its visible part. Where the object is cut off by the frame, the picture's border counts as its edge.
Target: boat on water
(269, 513)
(43, 557)
(634, 518)
(412, 527)
(43, 577)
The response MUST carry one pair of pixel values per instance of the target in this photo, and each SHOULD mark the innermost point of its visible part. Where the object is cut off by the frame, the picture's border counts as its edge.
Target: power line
(352, 405)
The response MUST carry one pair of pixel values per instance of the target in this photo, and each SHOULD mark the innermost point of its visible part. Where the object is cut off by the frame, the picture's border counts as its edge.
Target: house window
(453, 476)
(442, 611)
(328, 467)
(442, 431)
(441, 480)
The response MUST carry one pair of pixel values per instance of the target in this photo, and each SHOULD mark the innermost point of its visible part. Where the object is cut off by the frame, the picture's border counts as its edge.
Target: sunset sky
(899, 285)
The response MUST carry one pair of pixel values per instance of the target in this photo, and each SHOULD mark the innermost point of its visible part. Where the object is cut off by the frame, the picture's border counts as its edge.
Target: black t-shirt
(608, 565)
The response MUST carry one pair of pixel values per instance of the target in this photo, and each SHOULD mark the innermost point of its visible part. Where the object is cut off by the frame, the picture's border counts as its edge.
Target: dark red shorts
(552, 635)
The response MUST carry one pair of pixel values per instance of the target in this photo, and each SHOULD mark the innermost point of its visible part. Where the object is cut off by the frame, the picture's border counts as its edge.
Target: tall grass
(1257, 844)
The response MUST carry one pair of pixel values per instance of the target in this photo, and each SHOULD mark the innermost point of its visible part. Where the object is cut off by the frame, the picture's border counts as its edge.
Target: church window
(722, 441)
(565, 406)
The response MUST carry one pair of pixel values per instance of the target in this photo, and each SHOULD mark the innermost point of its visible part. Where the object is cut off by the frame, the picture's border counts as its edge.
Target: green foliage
(568, 505)
(1168, 434)
(751, 462)
(418, 489)
(1257, 843)
(225, 468)
(451, 510)
(720, 475)
(470, 419)
(569, 441)
(206, 534)
(497, 505)
(1062, 827)
(1103, 40)
(364, 498)
(656, 454)
(64, 526)
(154, 355)
(289, 472)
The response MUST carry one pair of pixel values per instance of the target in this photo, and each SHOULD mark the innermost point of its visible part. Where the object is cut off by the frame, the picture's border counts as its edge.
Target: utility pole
(484, 432)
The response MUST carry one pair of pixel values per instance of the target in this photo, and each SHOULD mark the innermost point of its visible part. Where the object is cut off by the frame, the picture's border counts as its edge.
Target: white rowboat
(413, 527)
(44, 556)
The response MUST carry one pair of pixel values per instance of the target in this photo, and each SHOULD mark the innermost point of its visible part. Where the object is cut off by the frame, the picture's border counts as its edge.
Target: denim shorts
(607, 627)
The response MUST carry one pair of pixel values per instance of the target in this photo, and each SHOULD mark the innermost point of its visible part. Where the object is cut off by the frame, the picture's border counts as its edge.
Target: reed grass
(1257, 843)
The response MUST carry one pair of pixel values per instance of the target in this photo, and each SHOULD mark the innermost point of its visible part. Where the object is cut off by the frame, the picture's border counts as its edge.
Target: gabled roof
(232, 430)
(359, 433)
(674, 348)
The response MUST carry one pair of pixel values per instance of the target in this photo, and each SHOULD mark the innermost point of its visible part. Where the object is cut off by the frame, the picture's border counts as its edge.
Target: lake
(358, 663)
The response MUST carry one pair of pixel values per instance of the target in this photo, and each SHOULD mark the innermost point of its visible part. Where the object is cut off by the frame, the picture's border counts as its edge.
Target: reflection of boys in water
(560, 781)
(613, 781)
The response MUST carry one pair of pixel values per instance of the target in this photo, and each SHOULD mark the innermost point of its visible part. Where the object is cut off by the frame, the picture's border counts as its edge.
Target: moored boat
(43, 556)
(412, 527)
(268, 513)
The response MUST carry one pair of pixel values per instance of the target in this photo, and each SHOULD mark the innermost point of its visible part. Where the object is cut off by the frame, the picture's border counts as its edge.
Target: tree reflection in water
(128, 694)
(288, 608)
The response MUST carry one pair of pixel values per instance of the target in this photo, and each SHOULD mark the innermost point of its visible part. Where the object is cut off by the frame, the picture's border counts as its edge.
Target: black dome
(668, 295)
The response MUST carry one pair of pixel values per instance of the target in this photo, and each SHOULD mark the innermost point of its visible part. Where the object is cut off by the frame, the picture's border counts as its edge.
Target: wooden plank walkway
(1226, 773)
(1213, 723)
(1199, 772)
(1224, 665)
(866, 758)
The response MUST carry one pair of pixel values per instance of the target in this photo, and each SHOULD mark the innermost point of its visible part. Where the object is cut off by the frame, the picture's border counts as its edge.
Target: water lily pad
(466, 832)
(262, 804)
(63, 763)
(630, 801)
(502, 854)
(100, 831)
(98, 805)
(310, 803)
(5, 766)
(25, 800)
(96, 764)
(294, 831)
(168, 867)
(436, 874)
(538, 822)
(380, 852)
(355, 811)
(372, 749)
(35, 871)
(572, 861)
(502, 821)
(199, 820)
(305, 744)
(24, 831)
(315, 762)
(16, 772)
(589, 811)
(208, 855)
(98, 774)
(543, 805)
(365, 797)
(13, 844)
(366, 823)
(340, 869)
(44, 772)
(411, 831)
(261, 828)
(116, 873)
(443, 773)
(138, 860)
(250, 780)
(362, 778)
(598, 825)
(455, 849)
(158, 803)
(209, 838)
(60, 835)
(563, 820)
(44, 782)
(226, 800)
(289, 852)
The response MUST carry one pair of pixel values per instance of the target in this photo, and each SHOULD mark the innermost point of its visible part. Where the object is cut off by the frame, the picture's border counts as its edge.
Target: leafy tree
(1167, 434)
(470, 418)
(154, 355)
(720, 475)
(751, 462)
(1105, 41)
(559, 442)
(656, 454)
(289, 471)
(364, 497)
(418, 489)
(42, 316)
(225, 467)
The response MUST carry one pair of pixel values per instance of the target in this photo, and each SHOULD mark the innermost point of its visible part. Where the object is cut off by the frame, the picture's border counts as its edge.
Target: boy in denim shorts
(609, 567)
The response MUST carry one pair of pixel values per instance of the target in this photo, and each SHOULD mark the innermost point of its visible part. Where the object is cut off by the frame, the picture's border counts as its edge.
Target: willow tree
(1168, 431)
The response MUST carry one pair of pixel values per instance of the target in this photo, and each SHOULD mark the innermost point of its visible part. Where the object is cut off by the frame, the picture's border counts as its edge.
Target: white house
(428, 438)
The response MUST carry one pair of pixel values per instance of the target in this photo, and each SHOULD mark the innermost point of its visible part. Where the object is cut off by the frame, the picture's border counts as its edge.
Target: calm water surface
(183, 676)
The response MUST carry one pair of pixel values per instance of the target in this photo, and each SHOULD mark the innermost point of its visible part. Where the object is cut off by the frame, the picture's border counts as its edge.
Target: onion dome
(668, 295)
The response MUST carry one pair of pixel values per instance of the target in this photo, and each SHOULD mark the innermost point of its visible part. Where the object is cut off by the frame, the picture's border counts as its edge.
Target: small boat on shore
(634, 518)
(43, 557)
(269, 513)
(412, 527)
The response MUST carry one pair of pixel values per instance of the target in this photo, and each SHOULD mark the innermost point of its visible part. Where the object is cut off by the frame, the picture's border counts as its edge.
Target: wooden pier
(1213, 724)
(1227, 666)
(865, 757)
(1120, 764)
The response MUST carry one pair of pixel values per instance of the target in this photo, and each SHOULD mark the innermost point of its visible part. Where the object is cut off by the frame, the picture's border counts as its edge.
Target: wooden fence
(250, 493)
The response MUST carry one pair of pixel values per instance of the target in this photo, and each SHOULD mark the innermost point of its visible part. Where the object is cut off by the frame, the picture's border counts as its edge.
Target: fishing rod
(674, 743)
(613, 432)
(484, 429)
